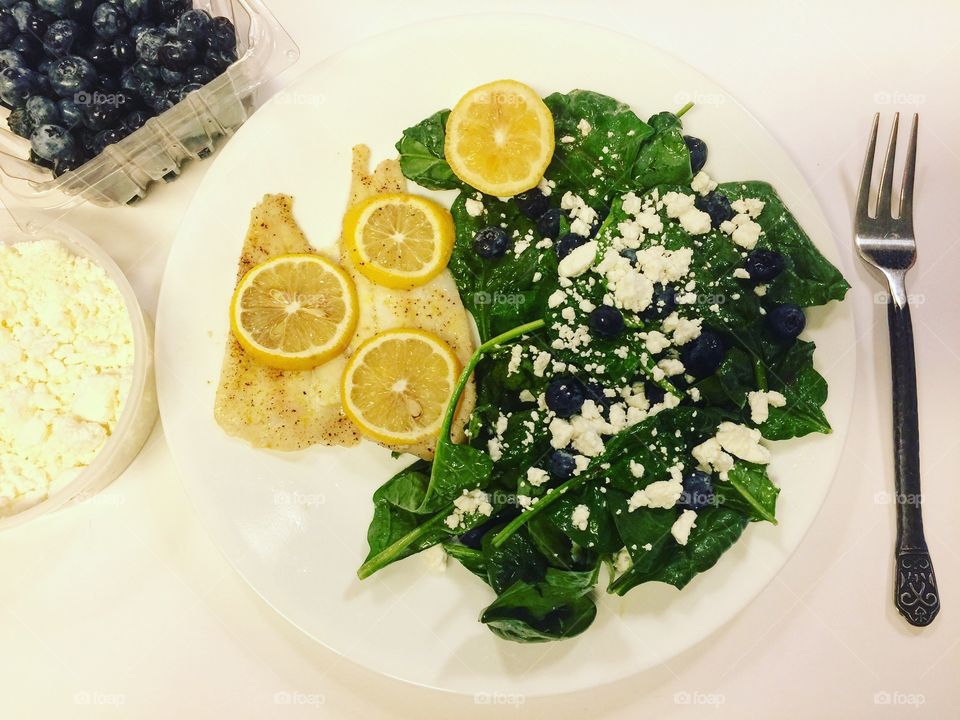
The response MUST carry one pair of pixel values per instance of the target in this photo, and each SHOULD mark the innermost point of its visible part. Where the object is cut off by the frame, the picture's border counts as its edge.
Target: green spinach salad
(639, 326)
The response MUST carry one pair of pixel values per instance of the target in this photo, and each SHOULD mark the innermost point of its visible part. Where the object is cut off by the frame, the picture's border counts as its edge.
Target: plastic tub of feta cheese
(137, 414)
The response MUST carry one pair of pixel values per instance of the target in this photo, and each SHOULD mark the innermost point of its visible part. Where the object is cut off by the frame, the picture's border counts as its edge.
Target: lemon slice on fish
(294, 312)
(397, 386)
(499, 138)
(399, 240)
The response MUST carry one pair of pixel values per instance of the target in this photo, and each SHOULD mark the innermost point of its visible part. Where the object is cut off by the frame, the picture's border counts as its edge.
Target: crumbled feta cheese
(636, 469)
(580, 516)
(671, 367)
(494, 449)
(435, 558)
(741, 273)
(578, 261)
(584, 127)
(561, 432)
(473, 207)
(469, 503)
(743, 442)
(567, 139)
(527, 396)
(760, 403)
(682, 527)
(747, 234)
(656, 342)
(540, 363)
(537, 477)
(761, 290)
(621, 562)
(659, 494)
(711, 457)
(556, 298)
(748, 206)
(516, 356)
(546, 187)
(702, 183)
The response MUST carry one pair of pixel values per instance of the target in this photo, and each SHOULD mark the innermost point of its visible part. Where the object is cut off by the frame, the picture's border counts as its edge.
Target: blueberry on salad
(561, 465)
(607, 322)
(698, 152)
(565, 396)
(717, 206)
(786, 322)
(568, 243)
(532, 203)
(703, 356)
(491, 242)
(697, 491)
(764, 265)
(548, 224)
(664, 301)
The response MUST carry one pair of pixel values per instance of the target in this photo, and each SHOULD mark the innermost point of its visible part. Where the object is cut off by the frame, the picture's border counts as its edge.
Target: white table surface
(122, 607)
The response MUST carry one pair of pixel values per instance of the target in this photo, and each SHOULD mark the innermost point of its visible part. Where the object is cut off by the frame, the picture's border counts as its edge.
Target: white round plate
(294, 525)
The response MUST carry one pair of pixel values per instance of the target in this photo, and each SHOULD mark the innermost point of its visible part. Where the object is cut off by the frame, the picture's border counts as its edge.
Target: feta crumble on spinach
(646, 348)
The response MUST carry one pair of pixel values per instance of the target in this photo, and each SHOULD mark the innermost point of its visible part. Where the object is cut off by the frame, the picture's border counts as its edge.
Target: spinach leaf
(395, 506)
(421, 154)
(455, 468)
(470, 558)
(601, 532)
(556, 608)
(749, 491)
(605, 157)
(517, 560)
(663, 158)
(805, 391)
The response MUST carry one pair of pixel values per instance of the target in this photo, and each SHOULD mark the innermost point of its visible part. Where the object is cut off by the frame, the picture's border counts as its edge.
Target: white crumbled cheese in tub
(66, 365)
(743, 442)
(682, 527)
(761, 402)
(580, 516)
(473, 207)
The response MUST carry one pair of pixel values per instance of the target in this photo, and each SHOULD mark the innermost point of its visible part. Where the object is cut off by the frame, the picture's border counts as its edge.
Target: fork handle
(916, 594)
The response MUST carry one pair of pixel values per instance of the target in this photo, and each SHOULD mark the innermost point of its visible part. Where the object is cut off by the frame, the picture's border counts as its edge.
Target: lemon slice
(294, 312)
(499, 138)
(397, 386)
(399, 240)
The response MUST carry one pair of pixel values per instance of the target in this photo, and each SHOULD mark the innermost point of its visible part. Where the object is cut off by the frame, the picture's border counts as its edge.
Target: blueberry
(698, 152)
(594, 391)
(8, 29)
(148, 45)
(561, 465)
(140, 28)
(219, 60)
(135, 9)
(42, 111)
(764, 265)
(697, 491)
(124, 50)
(170, 9)
(200, 74)
(60, 8)
(491, 242)
(11, 58)
(101, 115)
(565, 396)
(19, 123)
(72, 75)
(704, 355)
(145, 71)
(222, 35)
(60, 37)
(177, 55)
(135, 120)
(568, 243)
(654, 393)
(717, 206)
(532, 203)
(16, 85)
(663, 303)
(29, 47)
(189, 88)
(172, 77)
(786, 322)
(100, 53)
(68, 163)
(70, 112)
(52, 142)
(42, 162)
(630, 254)
(606, 322)
(194, 26)
(38, 22)
(109, 137)
(81, 10)
(548, 224)
(109, 21)
(154, 96)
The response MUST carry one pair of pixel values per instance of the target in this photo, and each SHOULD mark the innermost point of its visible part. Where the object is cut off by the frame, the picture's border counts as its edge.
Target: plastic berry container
(190, 130)
(139, 413)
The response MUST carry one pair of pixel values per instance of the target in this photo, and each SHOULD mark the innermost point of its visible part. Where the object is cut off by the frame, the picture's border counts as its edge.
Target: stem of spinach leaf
(542, 504)
(394, 551)
(760, 373)
(486, 347)
(683, 111)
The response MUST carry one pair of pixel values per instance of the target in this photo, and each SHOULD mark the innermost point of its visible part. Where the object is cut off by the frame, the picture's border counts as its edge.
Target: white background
(121, 607)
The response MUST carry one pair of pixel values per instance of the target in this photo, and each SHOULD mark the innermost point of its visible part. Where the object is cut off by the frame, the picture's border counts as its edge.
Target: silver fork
(887, 244)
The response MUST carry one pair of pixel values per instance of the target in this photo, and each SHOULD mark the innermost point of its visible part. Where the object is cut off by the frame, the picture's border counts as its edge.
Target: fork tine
(886, 176)
(863, 197)
(909, 168)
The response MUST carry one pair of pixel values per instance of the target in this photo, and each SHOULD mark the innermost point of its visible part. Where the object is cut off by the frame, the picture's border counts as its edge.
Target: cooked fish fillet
(269, 408)
(293, 409)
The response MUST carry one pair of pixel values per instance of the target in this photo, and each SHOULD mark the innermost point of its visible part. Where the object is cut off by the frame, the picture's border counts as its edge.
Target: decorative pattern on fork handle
(917, 597)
